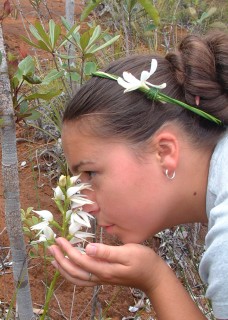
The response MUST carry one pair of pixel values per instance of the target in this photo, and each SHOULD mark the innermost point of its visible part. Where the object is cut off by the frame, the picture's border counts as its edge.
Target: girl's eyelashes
(90, 174)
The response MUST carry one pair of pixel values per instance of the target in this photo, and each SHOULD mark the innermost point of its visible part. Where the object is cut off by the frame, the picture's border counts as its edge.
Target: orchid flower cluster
(70, 202)
(152, 91)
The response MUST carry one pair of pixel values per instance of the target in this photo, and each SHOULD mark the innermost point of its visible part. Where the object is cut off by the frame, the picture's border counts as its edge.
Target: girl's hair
(198, 68)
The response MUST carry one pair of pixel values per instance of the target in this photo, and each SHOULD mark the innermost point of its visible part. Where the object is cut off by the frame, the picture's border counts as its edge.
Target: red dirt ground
(35, 191)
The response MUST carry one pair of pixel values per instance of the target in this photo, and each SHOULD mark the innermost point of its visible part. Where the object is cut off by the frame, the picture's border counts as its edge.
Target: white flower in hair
(130, 83)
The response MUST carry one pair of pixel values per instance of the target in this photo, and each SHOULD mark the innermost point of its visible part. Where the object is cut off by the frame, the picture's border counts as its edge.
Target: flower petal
(79, 201)
(78, 188)
(74, 179)
(74, 227)
(153, 66)
(159, 86)
(82, 220)
(145, 74)
(45, 214)
(68, 214)
(80, 235)
(40, 226)
(49, 233)
(58, 194)
(123, 83)
(127, 76)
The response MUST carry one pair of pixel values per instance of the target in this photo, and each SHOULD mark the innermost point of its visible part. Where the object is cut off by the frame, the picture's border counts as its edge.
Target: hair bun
(200, 66)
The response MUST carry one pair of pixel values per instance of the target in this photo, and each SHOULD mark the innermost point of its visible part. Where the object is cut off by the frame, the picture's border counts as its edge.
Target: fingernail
(91, 249)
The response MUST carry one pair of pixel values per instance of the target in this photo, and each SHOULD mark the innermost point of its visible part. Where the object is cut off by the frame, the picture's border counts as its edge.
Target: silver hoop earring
(168, 176)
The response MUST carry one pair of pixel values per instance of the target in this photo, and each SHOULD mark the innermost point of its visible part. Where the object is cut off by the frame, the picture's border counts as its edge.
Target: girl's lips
(107, 227)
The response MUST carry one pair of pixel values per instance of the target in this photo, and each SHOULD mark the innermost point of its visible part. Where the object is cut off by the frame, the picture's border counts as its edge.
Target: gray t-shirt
(213, 267)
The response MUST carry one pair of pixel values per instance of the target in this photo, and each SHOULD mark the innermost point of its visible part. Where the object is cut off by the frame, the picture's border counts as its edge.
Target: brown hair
(198, 68)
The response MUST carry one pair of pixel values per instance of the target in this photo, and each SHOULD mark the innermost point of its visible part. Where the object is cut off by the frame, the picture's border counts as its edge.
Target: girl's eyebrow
(82, 163)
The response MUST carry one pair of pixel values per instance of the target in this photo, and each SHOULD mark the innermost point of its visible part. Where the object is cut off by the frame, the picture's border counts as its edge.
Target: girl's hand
(130, 265)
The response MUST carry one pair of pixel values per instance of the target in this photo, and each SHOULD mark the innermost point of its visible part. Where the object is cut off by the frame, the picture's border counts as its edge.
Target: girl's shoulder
(218, 172)
(221, 150)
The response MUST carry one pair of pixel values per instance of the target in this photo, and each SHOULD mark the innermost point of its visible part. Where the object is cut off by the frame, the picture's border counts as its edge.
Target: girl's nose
(91, 208)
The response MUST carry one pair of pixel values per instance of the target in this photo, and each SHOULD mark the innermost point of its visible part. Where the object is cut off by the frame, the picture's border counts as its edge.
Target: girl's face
(128, 193)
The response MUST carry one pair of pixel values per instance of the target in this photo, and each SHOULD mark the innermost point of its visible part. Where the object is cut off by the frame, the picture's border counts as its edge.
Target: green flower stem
(156, 95)
(65, 221)
(49, 294)
(55, 224)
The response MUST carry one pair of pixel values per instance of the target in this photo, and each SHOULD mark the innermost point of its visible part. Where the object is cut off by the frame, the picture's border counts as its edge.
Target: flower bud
(62, 181)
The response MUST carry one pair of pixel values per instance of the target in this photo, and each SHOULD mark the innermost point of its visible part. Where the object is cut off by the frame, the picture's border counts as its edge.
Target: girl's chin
(124, 237)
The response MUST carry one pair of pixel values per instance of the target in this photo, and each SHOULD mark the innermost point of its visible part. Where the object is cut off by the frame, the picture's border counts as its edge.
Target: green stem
(49, 294)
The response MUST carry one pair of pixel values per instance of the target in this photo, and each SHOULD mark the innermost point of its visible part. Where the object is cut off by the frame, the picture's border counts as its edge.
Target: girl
(156, 156)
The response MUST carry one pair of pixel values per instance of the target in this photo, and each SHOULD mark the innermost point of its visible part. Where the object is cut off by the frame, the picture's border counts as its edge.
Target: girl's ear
(167, 146)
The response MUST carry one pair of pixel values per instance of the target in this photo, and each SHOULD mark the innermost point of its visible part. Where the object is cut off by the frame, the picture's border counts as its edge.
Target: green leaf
(29, 210)
(54, 31)
(43, 34)
(84, 40)
(35, 220)
(34, 115)
(43, 46)
(64, 56)
(74, 76)
(90, 67)
(0, 57)
(23, 106)
(151, 10)
(44, 96)
(34, 32)
(27, 66)
(96, 34)
(32, 79)
(89, 8)
(33, 44)
(72, 31)
(51, 76)
(108, 43)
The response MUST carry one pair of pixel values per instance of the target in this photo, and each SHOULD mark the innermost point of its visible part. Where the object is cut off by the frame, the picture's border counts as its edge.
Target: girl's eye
(90, 174)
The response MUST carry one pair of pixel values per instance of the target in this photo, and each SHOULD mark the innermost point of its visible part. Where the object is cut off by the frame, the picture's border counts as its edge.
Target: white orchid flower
(47, 216)
(82, 218)
(130, 83)
(47, 234)
(80, 236)
(77, 189)
(79, 201)
(58, 194)
(74, 179)
(74, 227)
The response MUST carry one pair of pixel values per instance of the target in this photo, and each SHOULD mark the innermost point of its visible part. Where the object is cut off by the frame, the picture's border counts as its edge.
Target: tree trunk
(11, 194)
(69, 10)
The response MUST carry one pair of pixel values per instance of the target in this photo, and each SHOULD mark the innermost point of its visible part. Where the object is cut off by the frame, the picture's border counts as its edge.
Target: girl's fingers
(68, 266)
(100, 251)
(78, 281)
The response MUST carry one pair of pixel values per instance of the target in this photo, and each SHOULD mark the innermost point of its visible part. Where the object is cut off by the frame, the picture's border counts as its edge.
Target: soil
(36, 191)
